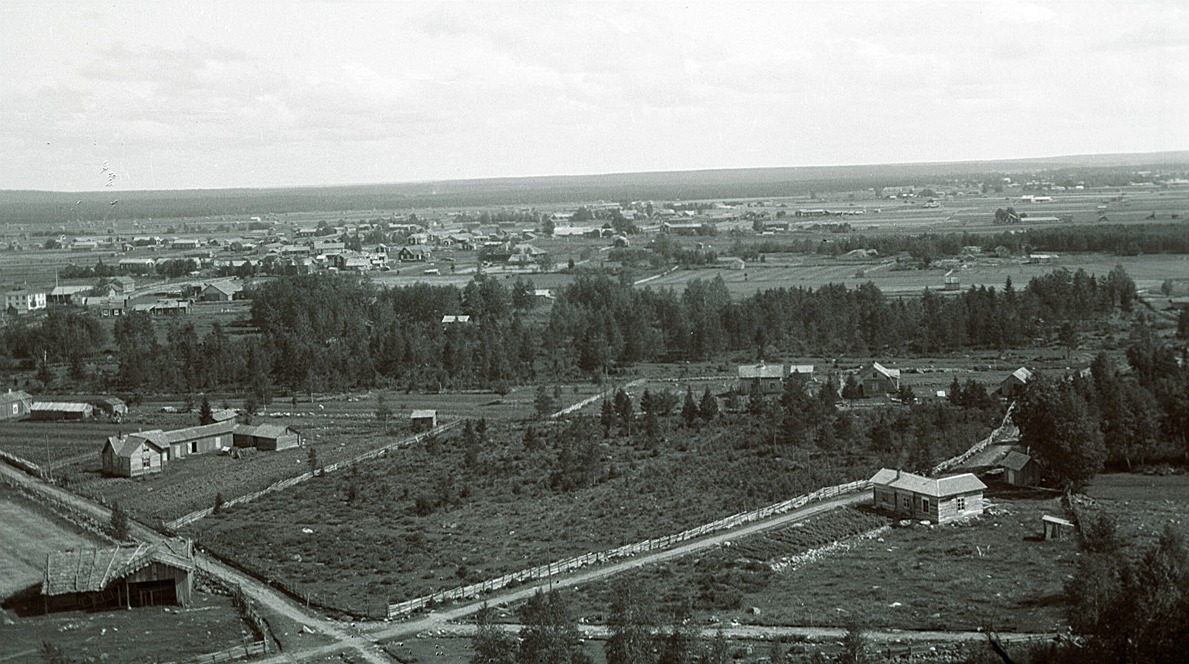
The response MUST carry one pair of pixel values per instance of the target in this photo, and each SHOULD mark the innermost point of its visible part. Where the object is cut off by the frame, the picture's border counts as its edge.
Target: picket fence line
(979, 446)
(308, 475)
(570, 564)
(589, 400)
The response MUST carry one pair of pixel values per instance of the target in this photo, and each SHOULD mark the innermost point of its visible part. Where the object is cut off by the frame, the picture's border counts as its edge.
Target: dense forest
(339, 332)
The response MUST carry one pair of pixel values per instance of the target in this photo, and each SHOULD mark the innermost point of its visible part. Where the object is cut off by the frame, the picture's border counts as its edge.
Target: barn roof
(940, 487)
(92, 570)
(226, 287)
(1022, 374)
(420, 414)
(61, 406)
(761, 371)
(192, 433)
(1015, 460)
(881, 369)
(263, 430)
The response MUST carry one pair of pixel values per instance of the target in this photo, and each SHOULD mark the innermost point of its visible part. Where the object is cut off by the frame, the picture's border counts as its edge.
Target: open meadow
(30, 533)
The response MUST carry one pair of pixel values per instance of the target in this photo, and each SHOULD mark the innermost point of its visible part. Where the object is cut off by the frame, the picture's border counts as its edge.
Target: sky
(183, 95)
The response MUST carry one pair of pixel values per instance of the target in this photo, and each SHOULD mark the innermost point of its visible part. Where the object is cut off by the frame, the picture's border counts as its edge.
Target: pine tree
(206, 414)
(689, 409)
(632, 624)
(119, 522)
(708, 408)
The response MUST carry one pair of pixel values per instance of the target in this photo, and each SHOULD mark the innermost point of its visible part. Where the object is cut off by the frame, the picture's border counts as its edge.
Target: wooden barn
(424, 420)
(1012, 385)
(768, 378)
(269, 437)
(1020, 469)
(134, 455)
(60, 410)
(878, 380)
(14, 405)
(196, 440)
(123, 576)
(113, 407)
(936, 500)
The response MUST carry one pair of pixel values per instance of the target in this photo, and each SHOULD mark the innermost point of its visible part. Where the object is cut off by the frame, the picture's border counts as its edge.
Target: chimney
(897, 473)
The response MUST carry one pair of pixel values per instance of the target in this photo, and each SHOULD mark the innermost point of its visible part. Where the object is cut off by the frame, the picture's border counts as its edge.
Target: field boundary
(185, 520)
(232, 654)
(979, 446)
(21, 464)
(576, 562)
(63, 509)
(574, 407)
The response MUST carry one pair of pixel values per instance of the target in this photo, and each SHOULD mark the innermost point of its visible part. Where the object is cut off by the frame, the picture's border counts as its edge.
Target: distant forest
(42, 207)
(340, 332)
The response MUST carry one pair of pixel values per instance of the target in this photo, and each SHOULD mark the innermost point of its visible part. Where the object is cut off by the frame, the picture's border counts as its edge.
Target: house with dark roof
(937, 500)
(122, 576)
(769, 378)
(1020, 469)
(133, 455)
(15, 405)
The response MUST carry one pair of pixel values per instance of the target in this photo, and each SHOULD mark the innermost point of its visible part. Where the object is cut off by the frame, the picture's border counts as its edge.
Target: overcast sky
(206, 93)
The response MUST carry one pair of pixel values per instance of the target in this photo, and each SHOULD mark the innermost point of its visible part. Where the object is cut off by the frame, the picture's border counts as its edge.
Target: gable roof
(183, 435)
(940, 487)
(61, 406)
(419, 414)
(127, 445)
(225, 287)
(886, 372)
(19, 395)
(263, 430)
(761, 371)
(92, 570)
(1022, 374)
(1015, 460)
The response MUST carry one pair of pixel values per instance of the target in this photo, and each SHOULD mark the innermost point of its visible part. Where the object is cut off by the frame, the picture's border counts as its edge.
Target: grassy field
(992, 571)
(135, 636)
(48, 442)
(30, 533)
(1143, 505)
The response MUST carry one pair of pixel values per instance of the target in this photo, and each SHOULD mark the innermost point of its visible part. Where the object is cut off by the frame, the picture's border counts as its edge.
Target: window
(960, 502)
(907, 502)
(194, 447)
(925, 505)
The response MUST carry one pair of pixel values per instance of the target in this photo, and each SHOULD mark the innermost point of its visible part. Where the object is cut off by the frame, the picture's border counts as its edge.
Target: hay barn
(119, 576)
(270, 437)
(60, 410)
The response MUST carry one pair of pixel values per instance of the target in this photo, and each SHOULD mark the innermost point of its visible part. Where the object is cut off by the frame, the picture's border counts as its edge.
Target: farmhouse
(60, 410)
(768, 378)
(269, 437)
(14, 404)
(1021, 469)
(1011, 386)
(21, 301)
(878, 379)
(119, 576)
(221, 291)
(424, 420)
(133, 456)
(935, 500)
(412, 254)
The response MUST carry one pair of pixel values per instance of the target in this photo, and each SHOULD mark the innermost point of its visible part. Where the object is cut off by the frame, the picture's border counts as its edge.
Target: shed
(134, 455)
(60, 410)
(270, 437)
(1055, 527)
(1012, 385)
(15, 404)
(1021, 469)
(119, 576)
(424, 420)
(769, 378)
(937, 500)
(220, 291)
(110, 406)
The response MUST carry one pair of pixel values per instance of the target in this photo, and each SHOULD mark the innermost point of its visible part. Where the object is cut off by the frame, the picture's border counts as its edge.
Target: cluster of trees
(1122, 240)
(598, 323)
(63, 336)
(1077, 425)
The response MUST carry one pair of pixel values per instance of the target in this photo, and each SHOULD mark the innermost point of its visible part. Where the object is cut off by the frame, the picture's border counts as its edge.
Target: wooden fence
(589, 400)
(570, 564)
(23, 465)
(1005, 427)
(231, 654)
(196, 515)
(63, 509)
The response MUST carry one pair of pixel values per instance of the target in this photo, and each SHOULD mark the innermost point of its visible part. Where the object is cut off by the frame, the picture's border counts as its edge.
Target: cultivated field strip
(308, 475)
(570, 564)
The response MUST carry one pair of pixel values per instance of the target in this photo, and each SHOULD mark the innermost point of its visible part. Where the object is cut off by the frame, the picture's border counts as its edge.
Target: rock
(755, 611)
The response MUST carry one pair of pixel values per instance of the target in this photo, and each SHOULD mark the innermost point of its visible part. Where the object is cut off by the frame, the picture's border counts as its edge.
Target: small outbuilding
(123, 576)
(1055, 527)
(937, 500)
(113, 407)
(767, 378)
(1020, 469)
(270, 437)
(424, 420)
(878, 379)
(14, 405)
